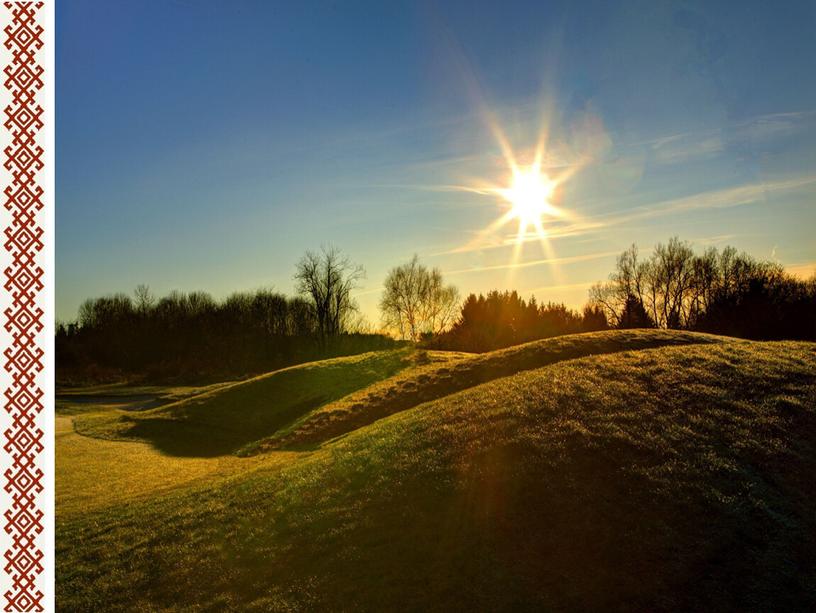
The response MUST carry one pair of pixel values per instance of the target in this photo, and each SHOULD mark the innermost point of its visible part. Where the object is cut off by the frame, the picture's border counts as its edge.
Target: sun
(530, 195)
(529, 198)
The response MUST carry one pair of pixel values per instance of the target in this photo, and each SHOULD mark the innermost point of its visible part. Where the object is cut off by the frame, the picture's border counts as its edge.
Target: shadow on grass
(201, 440)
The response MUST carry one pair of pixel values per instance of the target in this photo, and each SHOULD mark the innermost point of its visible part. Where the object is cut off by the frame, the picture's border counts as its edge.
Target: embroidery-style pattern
(23, 319)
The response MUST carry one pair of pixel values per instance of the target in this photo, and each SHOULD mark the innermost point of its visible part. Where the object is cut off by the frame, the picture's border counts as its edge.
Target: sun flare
(530, 197)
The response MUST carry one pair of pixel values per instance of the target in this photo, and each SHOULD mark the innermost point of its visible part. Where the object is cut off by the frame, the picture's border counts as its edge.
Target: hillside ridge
(305, 405)
(414, 387)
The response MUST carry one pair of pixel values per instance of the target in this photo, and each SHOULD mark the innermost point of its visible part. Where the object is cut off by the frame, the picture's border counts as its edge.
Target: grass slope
(416, 386)
(305, 405)
(92, 474)
(227, 418)
(678, 477)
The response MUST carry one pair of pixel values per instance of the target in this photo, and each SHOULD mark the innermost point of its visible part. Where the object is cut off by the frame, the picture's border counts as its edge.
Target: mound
(679, 477)
(224, 419)
(309, 404)
(416, 386)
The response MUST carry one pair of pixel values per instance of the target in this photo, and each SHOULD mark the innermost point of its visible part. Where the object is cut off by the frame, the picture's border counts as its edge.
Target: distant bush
(192, 336)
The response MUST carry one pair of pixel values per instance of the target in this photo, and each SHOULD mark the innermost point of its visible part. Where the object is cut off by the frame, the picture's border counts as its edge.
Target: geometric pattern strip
(24, 318)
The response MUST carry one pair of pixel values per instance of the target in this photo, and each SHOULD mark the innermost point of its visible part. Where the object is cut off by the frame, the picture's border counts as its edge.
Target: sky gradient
(207, 145)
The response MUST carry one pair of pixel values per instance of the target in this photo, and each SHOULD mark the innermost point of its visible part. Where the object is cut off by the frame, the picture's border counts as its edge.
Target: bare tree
(675, 287)
(665, 287)
(441, 304)
(144, 299)
(673, 279)
(327, 279)
(416, 301)
(627, 287)
(358, 323)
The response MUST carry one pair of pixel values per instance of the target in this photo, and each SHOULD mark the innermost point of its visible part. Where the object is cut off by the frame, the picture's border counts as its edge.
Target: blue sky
(207, 145)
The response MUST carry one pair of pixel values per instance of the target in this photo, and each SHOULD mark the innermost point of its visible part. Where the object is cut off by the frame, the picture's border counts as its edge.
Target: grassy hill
(225, 418)
(656, 478)
(302, 406)
(418, 385)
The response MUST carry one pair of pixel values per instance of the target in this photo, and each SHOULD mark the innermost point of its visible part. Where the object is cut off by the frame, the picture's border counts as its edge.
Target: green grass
(655, 479)
(302, 406)
(227, 418)
(92, 474)
(415, 386)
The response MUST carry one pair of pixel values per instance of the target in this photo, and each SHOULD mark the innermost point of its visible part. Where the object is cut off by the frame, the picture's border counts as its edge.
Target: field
(644, 470)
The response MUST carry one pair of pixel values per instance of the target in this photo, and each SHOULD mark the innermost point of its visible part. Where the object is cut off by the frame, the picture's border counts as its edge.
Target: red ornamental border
(24, 318)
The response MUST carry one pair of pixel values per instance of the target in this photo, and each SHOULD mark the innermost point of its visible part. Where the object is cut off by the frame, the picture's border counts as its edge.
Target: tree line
(501, 319)
(192, 335)
(723, 292)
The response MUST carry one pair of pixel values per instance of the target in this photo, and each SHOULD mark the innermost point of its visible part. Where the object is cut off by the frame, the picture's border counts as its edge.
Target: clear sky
(206, 145)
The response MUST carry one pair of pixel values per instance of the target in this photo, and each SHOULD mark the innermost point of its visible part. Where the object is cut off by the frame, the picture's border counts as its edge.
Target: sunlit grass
(668, 478)
(415, 386)
(92, 474)
(225, 419)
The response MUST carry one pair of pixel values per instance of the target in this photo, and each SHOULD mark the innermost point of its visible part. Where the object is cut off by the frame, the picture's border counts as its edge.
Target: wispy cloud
(715, 199)
(719, 199)
(713, 240)
(686, 146)
(564, 260)
(775, 125)
(366, 292)
(682, 149)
